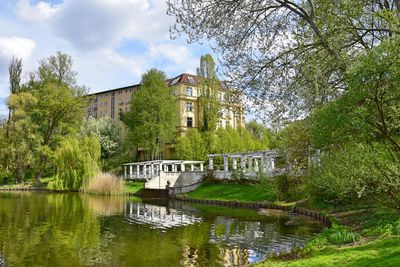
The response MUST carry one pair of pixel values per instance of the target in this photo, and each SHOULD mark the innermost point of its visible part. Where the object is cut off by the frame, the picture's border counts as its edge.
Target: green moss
(232, 192)
(383, 252)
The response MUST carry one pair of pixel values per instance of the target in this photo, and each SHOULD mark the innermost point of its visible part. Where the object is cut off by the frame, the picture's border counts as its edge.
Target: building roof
(182, 78)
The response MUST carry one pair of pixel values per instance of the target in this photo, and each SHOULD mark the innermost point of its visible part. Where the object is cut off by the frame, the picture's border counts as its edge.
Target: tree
(77, 162)
(57, 113)
(15, 72)
(17, 151)
(191, 146)
(58, 68)
(260, 132)
(153, 115)
(294, 54)
(111, 135)
(208, 100)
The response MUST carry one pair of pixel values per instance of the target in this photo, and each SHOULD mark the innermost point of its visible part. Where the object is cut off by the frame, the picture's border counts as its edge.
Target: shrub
(358, 171)
(336, 235)
(104, 184)
(281, 185)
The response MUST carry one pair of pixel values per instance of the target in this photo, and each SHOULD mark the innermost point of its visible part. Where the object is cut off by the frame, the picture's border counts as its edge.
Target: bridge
(181, 176)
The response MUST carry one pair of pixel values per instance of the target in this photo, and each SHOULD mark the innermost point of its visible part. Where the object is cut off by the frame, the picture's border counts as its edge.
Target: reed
(104, 184)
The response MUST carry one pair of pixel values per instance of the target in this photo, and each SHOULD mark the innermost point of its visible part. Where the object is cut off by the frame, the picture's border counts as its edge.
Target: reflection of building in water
(189, 257)
(242, 243)
(159, 217)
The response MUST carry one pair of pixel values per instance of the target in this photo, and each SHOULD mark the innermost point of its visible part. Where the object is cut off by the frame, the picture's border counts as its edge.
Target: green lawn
(238, 192)
(383, 252)
(133, 187)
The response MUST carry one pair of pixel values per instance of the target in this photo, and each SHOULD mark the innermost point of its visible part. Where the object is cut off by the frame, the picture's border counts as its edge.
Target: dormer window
(190, 78)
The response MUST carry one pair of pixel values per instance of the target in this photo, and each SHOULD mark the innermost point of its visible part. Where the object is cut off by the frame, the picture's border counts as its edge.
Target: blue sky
(112, 42)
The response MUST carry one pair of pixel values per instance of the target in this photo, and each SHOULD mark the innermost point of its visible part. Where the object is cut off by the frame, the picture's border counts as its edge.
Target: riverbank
(375, 253)
(130, 188)
(361, 236)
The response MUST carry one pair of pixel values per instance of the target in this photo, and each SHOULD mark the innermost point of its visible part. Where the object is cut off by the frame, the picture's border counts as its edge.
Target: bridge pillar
(192, 167)
(226, 169)
(243, 163)
(250, 171)
(263, 161)
(234, 165)
(125, 174)
(138, 171)
(210, 163)
(131, 171)
(201, 167)
(182, 167)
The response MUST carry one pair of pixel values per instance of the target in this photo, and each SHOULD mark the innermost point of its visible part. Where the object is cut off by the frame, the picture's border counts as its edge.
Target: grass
(232, 192)
(382, 252)
(31, 184)
(133, 187)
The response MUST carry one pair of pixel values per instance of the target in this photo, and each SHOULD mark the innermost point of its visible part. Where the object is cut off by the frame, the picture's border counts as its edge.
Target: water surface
(40, 229)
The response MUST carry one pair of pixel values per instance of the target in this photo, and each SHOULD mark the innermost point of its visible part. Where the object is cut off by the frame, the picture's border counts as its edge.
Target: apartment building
(186, 90)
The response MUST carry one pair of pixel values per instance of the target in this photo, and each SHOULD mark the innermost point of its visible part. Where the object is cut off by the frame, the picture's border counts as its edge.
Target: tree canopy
(153, 115)
(292, 54)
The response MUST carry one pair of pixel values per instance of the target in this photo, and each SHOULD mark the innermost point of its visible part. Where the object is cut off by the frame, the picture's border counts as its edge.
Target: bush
(358, 172)
(104, 184)
(281, 185)
(336, 235)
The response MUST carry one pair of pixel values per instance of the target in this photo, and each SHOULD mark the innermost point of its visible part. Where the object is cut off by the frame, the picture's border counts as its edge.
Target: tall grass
(104, 184)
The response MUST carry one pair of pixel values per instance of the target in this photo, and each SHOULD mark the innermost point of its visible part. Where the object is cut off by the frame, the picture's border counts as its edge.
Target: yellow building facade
(186, 90)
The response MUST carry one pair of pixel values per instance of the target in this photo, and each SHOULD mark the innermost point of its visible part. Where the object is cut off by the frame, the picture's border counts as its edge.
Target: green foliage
(336, 235)
(295, 143)
(237, 140)
(111, 135)
(358, 172)
(191, 146)
(281, 185)
(153, 115)
(261, 133)
(77, 162)
(208, 100)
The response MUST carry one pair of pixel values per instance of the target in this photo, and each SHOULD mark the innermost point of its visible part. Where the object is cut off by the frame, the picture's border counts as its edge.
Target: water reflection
(80, 230)
(159, 217)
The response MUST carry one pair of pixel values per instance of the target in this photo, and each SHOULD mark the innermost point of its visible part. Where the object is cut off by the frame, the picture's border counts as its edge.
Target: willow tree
(153, 116)
(77, 162)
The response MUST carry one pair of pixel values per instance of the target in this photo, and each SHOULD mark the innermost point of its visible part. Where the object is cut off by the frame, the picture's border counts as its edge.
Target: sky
(112, 42)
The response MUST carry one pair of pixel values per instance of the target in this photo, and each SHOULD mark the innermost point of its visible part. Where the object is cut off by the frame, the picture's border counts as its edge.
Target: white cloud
(14, 46)
(39, 13)
(92, 24)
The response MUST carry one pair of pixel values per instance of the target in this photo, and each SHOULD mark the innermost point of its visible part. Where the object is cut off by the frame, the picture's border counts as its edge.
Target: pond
(43, 229)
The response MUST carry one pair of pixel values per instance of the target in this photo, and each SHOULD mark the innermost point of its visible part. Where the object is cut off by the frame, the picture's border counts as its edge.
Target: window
(191, 80)
(219, 97)
(189, 106)
(189, 91)
(226, 97)
(189, 122)
(220, 124)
